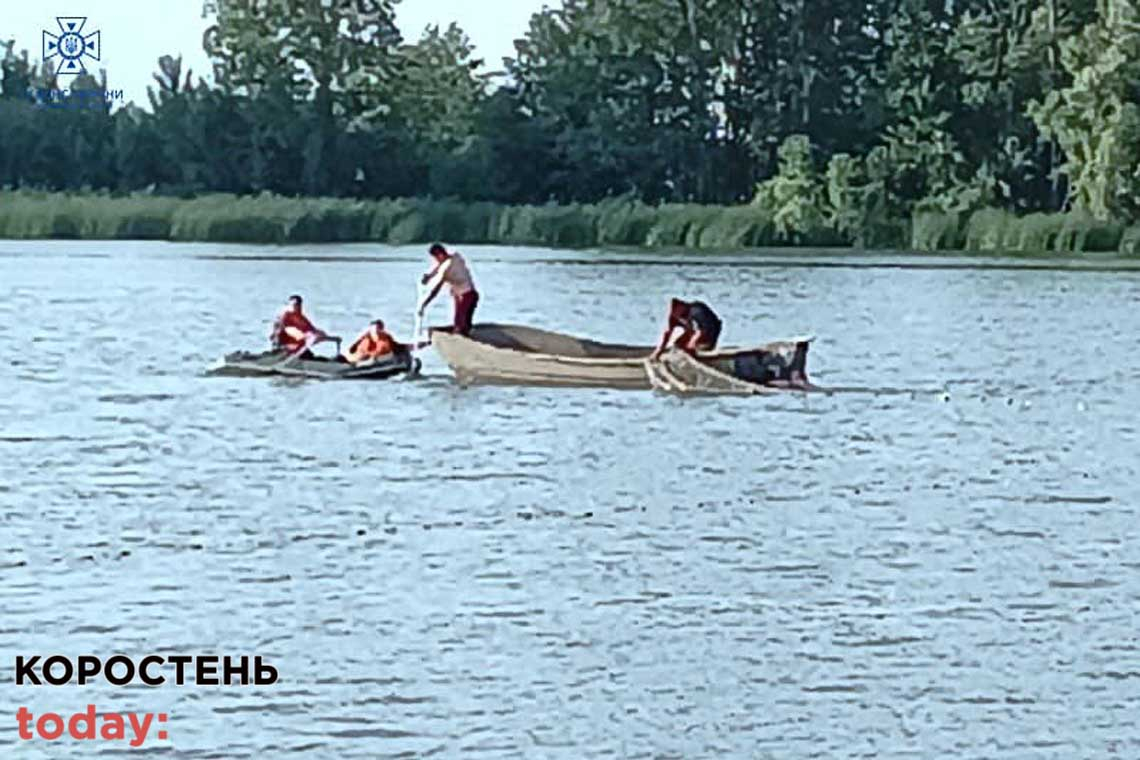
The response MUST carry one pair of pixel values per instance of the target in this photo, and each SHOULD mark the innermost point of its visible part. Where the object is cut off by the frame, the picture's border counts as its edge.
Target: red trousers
(465, 311)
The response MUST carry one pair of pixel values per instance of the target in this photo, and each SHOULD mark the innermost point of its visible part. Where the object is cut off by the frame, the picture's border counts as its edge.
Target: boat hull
(519, 355)
(276, 364)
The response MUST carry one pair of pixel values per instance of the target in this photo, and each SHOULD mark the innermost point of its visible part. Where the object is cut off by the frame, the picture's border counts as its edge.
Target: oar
(295, 355)
(309, 343)
(418, 320)
(417, 329)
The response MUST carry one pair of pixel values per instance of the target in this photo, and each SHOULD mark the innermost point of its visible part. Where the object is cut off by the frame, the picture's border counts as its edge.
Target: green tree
(794, 196)
(340, 55)
(1008, 52)
(1096, 118)
(438, 97)
(920, 83)
(615, 85)
(796, 67)
(439, 90)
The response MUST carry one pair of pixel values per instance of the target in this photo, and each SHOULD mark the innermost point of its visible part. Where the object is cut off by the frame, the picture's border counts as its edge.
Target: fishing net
(678, 372)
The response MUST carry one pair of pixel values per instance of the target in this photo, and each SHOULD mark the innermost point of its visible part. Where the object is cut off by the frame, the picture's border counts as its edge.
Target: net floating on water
(678, 372)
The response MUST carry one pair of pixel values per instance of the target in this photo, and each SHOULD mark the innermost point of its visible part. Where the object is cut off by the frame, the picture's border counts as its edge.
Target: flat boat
(520, 355)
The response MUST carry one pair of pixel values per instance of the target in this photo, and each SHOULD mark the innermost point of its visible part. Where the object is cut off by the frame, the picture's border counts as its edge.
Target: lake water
(942, 564)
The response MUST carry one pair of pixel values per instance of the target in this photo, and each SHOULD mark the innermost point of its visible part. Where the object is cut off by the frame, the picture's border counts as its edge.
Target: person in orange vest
(451, 268)
(373, 343)
(293, 332)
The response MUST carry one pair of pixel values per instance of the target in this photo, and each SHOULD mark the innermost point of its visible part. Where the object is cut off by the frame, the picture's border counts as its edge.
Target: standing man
(700, 327)
(452, 269)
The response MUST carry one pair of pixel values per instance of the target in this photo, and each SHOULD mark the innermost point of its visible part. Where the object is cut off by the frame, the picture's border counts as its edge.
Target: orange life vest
(366, 347)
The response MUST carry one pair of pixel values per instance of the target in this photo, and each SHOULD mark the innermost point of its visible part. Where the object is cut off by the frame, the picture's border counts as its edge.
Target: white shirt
(455, 273)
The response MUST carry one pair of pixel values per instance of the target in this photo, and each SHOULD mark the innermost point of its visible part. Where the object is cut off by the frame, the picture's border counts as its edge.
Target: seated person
(293, 332)
(374, 343)
(699, 324)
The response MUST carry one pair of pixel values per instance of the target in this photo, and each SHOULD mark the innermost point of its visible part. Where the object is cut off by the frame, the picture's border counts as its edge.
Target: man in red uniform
(293, 332)
(451, 268)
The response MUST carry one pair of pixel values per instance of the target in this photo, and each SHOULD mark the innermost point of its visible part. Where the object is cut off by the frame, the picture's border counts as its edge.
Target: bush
(932, 231)
(670, 225)
(880, 233)
(794, 197)
(1130, 241)
(987, 229)
(738, 227)
(572, 226)
(622, 221)
(1075, 232)
(518, 225)
(331, 221)
(1036, 233)
(270, 218)
(1082, 232)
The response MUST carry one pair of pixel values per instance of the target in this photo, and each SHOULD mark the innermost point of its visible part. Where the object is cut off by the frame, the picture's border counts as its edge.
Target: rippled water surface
(940, 561)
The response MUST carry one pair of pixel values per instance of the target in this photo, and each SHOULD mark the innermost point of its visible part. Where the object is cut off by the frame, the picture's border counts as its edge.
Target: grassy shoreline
(276, 219)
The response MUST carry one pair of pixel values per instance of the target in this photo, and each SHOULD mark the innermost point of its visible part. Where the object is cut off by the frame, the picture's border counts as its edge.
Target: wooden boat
(519, 355)
(270, 363)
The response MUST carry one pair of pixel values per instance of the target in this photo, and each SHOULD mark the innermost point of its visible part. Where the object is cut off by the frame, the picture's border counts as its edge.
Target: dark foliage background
(837, 118)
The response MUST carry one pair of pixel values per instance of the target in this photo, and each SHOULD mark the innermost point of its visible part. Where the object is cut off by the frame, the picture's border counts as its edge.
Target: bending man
(451, 268)
(699, 324)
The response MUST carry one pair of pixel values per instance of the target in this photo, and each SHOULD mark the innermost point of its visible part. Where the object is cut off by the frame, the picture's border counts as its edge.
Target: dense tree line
(825, 111)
